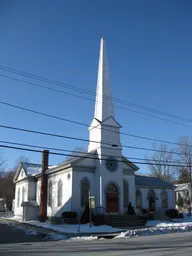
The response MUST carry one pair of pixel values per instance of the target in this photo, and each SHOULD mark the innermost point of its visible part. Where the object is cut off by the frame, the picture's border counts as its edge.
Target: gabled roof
(74, 160)
(30, 169)
(146, 181)
(112, 118)
(130, 164)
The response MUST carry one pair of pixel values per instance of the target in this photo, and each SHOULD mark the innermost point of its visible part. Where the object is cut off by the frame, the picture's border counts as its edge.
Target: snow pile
(160, 224)
(157, 227)
(55, 237)
(75, 229)
(85, 238)
(153, 231)
(16, 218)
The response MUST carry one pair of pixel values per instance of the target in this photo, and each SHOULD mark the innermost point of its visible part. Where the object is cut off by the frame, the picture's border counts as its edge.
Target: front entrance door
(112, 198)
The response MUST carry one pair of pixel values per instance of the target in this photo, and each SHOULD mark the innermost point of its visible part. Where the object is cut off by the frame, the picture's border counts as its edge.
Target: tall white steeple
(104, 128)
(104, 105)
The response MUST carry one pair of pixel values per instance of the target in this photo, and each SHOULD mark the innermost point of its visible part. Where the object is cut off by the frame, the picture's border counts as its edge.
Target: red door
(112, 202)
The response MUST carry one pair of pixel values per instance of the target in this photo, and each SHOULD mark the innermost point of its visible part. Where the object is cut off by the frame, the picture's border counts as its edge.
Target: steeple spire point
(103, 106)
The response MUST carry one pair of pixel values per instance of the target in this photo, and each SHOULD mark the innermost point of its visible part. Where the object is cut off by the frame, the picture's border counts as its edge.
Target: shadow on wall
(65, 208)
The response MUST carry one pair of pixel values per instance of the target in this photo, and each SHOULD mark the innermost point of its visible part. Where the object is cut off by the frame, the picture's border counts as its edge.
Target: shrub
(69, 215)
(172, 213)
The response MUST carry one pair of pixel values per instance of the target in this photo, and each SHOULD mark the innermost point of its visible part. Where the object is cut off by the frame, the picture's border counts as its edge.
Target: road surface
(160, 245)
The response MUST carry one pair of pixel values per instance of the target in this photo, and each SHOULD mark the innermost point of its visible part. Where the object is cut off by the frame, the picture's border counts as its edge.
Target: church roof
(129, 163)
(73, 160)
(31, 169)
(146, 181)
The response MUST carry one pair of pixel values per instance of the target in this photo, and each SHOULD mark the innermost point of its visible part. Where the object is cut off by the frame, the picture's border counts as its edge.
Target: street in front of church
(169, 244)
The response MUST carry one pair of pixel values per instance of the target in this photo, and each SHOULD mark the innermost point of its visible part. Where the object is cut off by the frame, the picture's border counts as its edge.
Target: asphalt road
(170, 244)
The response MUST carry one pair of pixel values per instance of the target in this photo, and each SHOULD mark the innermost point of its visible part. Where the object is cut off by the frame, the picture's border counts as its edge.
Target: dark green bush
(172, 213)
(69, 215)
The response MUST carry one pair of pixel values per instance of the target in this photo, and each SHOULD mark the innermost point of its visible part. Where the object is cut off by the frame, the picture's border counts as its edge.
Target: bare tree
(7, 186)
(159, 163)
(185, 158)
(185, 150)
(2, 163)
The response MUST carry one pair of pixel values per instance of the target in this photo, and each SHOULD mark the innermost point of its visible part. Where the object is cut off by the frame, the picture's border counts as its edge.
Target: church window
(59, 193)
(50, 189)
(126, 193)
(23, 194)
(18, 197)
(164, 199)
(138, 199)
(85, 188)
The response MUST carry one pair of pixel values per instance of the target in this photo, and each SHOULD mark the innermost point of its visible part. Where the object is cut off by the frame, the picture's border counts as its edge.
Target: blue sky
(149, 47)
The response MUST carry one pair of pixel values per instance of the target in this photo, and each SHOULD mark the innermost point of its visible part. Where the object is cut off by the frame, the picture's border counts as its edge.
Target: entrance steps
(125, 220)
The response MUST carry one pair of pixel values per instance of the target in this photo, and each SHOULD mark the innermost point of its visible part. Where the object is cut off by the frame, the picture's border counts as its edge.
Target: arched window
(138, 199)
(164, 199)
(151, 196)
(85, 187)
(18, 197)
(59, 192)
(50, 188)
(23, 194)
(126, 193)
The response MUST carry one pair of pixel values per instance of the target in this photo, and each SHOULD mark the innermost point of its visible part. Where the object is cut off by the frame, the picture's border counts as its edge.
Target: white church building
(103, 170)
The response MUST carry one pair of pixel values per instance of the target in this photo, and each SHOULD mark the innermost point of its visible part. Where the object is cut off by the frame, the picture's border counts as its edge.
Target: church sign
(92, 202)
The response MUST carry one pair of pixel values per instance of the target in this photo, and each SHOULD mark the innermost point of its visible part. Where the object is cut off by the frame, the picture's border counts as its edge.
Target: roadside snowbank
(157, 227)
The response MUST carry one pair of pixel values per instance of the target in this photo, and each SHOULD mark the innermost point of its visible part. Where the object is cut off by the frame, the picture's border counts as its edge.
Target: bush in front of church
(172, 213)
(130, 210)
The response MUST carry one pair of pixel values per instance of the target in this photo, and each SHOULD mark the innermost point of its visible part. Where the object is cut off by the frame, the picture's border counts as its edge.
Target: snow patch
(153, 231)
(56, 237)
(75, 229)
(85, 238)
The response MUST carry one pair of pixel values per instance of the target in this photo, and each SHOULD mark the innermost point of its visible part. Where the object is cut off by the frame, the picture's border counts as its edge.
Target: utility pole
(43, 196)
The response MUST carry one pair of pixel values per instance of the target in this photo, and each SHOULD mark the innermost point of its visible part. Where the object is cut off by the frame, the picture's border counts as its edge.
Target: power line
(83, 124)
(81, 139)
(84, 91)
(80, 152)
(85, 98)
(66, 85)
(85, 157)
